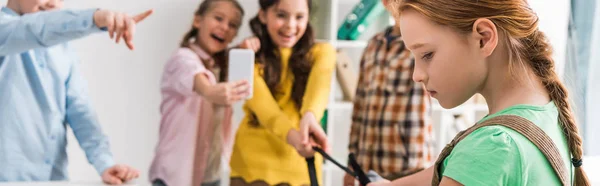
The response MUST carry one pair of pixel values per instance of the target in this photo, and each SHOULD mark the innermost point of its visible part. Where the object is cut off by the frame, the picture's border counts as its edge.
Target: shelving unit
(327, 18)
(351, 44)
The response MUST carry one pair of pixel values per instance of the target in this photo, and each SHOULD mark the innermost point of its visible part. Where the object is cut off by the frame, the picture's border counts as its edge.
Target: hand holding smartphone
(241, 67)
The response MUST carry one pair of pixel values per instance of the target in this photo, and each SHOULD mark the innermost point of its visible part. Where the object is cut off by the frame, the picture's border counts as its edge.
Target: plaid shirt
(391, 129)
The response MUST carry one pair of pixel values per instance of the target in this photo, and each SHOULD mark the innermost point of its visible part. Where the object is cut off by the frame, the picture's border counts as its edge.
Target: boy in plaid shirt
(391, 130)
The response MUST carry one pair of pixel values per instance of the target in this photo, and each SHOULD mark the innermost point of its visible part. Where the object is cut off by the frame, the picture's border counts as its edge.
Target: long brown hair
(528, 48)
(269, 58)
(220, 58)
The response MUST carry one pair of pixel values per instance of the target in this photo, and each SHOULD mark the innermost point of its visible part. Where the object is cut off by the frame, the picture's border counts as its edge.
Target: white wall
(554, 22)
(124, 85)
(593, 105)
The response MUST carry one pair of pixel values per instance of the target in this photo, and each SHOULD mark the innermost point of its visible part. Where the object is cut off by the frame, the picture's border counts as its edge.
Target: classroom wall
(124, 85)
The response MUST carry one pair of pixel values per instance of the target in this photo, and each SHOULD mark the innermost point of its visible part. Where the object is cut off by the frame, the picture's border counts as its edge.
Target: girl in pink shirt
(196, 114)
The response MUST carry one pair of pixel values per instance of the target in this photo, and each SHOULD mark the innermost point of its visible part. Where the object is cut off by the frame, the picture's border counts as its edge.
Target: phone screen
(241, 67)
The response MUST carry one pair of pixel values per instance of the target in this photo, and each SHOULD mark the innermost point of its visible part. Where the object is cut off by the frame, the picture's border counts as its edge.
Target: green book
(324, 121)
(359, 19)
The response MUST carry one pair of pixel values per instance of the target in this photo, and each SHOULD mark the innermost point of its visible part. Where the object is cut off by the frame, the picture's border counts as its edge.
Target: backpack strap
(521, 125)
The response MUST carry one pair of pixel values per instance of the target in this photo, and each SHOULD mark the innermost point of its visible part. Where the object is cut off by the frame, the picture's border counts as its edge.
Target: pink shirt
(187, 122)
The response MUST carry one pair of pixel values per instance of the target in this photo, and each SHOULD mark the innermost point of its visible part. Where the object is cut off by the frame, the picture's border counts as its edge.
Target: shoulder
(323, 55)
(183, 58)
(490, 144)
(4, 17)
(322, 48)
(471, 161)
(490, 141)
(498, 137)
(374, 42)
(185, 53)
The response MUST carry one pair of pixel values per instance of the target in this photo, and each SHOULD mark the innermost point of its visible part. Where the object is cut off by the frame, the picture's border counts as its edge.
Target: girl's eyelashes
(233, 25)
(428, 56)
(219, 18)
(280, 14)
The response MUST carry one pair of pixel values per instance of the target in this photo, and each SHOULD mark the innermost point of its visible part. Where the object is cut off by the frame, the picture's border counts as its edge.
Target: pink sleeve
(180, 72)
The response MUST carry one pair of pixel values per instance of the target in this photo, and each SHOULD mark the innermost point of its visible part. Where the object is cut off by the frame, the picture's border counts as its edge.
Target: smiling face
(286, 21)
(449, 63)
(32, 6)
(218, 26)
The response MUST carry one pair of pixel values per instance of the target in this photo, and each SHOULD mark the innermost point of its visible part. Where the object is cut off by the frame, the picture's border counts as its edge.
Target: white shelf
(351, 44)
(325, 41)
(341, 105)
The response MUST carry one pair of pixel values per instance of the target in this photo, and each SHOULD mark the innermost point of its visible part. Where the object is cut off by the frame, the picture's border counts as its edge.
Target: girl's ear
(262, 15)
(485, 31)
(197, 22)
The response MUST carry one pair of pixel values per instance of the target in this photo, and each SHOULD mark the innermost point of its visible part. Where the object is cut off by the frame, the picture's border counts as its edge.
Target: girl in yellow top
(291, 89)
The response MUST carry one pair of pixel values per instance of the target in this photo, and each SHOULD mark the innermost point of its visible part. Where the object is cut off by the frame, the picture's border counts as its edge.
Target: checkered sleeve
(359, 103)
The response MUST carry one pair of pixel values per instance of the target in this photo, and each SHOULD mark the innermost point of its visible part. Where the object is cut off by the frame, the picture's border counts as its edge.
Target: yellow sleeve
(316, 95)
(266, 109)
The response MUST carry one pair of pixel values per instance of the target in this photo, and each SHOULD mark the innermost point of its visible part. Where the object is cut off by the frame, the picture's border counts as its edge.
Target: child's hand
(294, 138)
(349, 180)
(120, 23)
(252, 43)
(119, 174)
(310, 128)
(228, 93)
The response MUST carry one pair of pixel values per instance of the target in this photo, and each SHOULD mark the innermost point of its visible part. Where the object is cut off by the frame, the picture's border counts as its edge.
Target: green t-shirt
(496, 155)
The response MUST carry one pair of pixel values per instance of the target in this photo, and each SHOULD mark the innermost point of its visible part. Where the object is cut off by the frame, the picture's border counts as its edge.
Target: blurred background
(124, 85)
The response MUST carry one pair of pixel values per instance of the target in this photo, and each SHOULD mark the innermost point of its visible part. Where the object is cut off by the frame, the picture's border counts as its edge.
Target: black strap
(362, 177)
(329, 158)
(359, 174)
(312, 171)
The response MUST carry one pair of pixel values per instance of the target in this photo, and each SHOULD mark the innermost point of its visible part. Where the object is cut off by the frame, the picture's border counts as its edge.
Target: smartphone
(241, 67)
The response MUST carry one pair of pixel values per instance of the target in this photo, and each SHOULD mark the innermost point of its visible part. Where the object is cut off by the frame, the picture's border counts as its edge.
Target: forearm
(267, 111)
(318, 86)
(89, 134)
(83, 120)
(44, 29)
(201, 84)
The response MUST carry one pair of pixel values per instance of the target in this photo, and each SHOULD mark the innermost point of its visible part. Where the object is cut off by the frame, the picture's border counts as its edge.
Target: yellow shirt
(261, 152)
